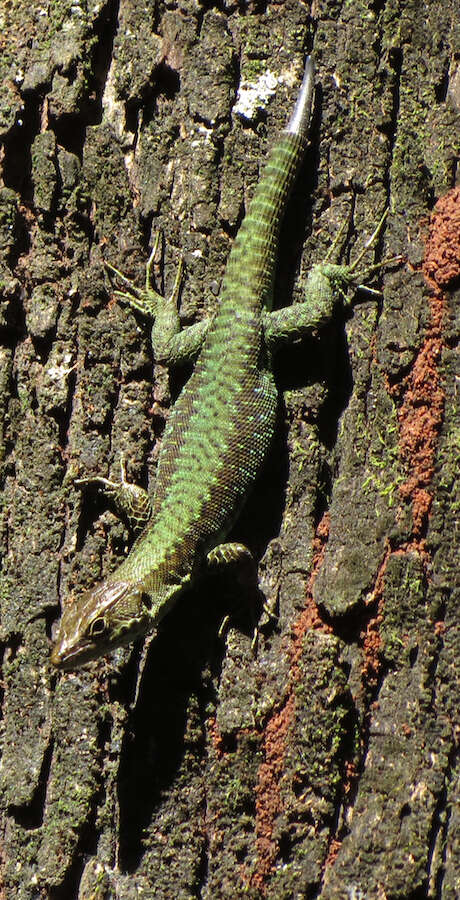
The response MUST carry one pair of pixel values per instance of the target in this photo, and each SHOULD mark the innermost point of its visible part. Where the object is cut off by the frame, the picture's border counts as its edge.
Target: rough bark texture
(326, 766)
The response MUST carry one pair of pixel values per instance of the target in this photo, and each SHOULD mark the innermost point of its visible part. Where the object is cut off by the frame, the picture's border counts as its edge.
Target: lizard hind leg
(346, 275)
(171, 345)
(326, 288)
(146, 299)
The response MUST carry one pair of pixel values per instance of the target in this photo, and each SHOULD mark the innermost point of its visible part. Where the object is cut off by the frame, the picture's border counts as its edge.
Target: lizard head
(111, 615)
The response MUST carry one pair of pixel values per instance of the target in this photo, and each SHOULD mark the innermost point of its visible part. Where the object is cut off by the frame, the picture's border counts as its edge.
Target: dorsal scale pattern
(208, 461)
(217, 435)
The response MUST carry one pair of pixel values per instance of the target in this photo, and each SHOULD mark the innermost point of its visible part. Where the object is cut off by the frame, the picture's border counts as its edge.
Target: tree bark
(325, 765)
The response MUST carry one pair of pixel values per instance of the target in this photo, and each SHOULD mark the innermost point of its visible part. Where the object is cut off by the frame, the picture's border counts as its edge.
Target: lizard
(221, 426)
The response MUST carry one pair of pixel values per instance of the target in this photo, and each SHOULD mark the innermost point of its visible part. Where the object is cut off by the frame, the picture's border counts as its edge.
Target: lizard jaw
(109, 616)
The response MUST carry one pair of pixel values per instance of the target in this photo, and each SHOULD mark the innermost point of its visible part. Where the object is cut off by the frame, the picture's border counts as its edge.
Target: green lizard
(222, 423)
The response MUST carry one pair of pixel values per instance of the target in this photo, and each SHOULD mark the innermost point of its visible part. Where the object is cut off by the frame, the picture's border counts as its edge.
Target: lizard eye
(97, 628)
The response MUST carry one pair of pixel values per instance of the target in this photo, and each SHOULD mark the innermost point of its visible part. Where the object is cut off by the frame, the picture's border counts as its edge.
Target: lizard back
(217, 435)
(223, 421)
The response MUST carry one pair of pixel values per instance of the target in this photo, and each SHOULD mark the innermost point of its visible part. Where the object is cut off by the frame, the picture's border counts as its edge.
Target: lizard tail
(300, 119)
(250, 268)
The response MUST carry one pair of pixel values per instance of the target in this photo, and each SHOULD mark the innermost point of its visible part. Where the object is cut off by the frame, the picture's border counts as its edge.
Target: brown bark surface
(325, 766)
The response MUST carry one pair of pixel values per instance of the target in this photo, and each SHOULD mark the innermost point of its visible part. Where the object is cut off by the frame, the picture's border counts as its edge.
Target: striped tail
(251, 264)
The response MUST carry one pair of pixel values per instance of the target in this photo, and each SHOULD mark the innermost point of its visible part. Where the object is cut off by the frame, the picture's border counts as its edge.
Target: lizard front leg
(130, 500)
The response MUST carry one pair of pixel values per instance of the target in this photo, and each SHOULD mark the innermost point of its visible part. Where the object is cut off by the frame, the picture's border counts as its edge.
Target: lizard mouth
(111, 615)
(66, 656)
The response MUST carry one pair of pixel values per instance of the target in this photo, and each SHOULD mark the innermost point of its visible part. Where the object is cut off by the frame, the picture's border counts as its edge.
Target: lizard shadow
(165, 737)
(155, 745)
